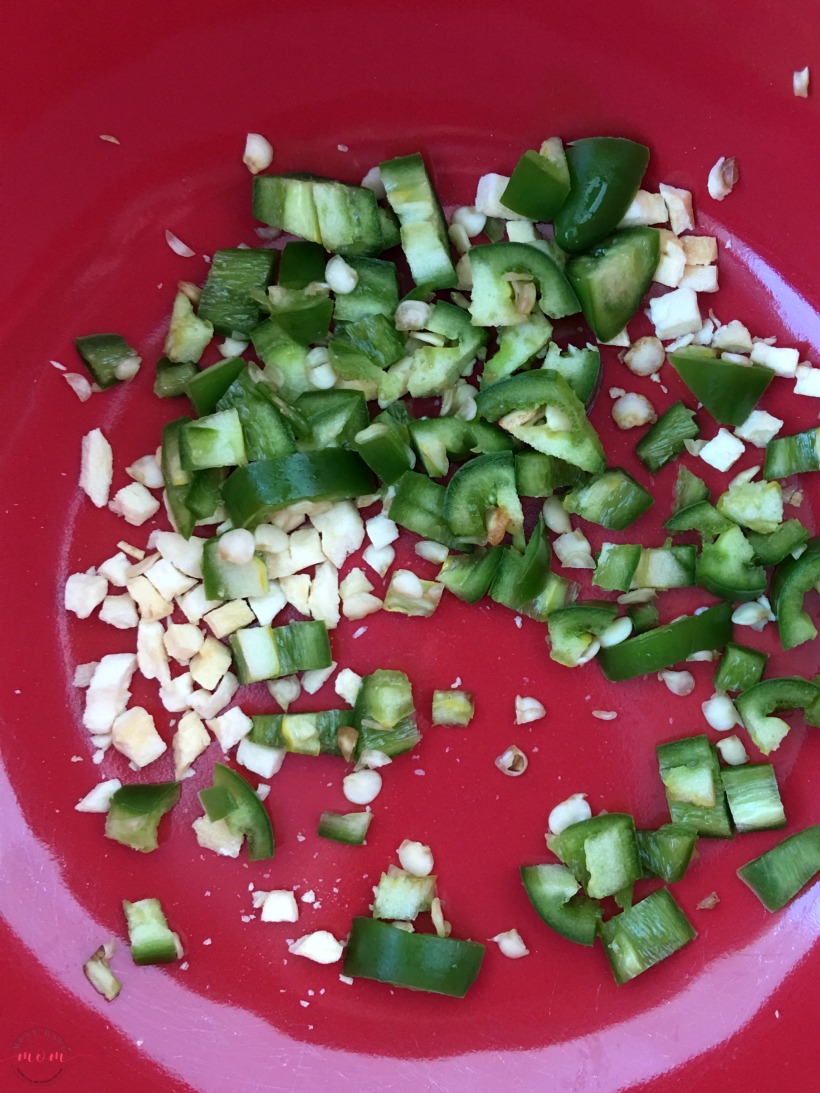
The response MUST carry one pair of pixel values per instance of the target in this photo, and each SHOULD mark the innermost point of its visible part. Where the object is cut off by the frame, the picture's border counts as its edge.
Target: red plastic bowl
(337, 88)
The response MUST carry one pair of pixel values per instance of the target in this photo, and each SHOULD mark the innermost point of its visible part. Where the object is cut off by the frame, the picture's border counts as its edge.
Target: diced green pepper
(228, 296)
(689, 490)
(255, 491)
(701, 517)
(418, 505)
(664, 440)
(757, 704)
(612, 278)
(556, 896)
(152, 942)
(493, 299)
(612, 499)
(454, 708)
(616, 566)
(778, 875)
(249, 817)
(135, 812)
(469, 576)
(667, 645)
(424, 962)
(573, 629)
(539, 475)
(605, 173)
(108, 357)
(540, 409)
(726, 568)
(423, 230)
(601, 853)
(786, 455)
(728, 391)
(774, 548)
(207, 387)
(301, 264)
(349, 827)
(517, 346)
(753, 797)
(645, 934)
(188, 335)
(694, 790)
(172, 378)
(539, 184)
(481, 504)
(740, 668)
(521, 578)
(757, 506)
(792, 580)
(666, 852)
(581, 368)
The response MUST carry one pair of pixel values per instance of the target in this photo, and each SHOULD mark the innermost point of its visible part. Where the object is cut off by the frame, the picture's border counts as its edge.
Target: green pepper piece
(665, 567)
(440, 439)
(207, 387)
(521, 578)
(286, 202)
(540, 409)
(345, 827)
(774, 548)
(757, 704)
(611, 280)
(556, 896)
(418, 505)
(434, 368)
(249, 817)
(645, 934)
(753, 797)
(151, 941)
(255, 491)
(217, 802)
(605, 173)
(267, 433)
(373, 335)
(303, 733)
(228, 296)
(539, 475)
(376, 291)
(304, 314)
(726, 568)
(517, 347)
(423, 230)
(778, 875)
(666, 852)
(581, 368)
(701, 517)
(302, 263)
(657, 649)
(740, 668)
(480, 502)
(423, 962)
(135, 811)
(469, 576)
(644, 616)
(557, 593)
(573, 629)
(792, 579)
(539, 184)
(385, 696)
(384, 448)
(612, 499)
(689, 490)
(728, 391)
(188, 335)
(493, 297)
(330, 419)
(664, 440)
(176, 478)
(453, 708)
(786, 455)
(172, 377)
(616, 566)
(601, 853)
(690, 774)
(108, 357)
(285, 359)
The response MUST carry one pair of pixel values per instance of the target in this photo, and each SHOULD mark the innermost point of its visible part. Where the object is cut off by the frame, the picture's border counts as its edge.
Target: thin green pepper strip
(254, 491)
(792, 579)
(422, 962)
(657, 649)
(757, 704)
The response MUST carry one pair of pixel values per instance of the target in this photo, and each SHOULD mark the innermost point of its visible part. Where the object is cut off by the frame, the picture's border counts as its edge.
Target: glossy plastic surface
(83, 224)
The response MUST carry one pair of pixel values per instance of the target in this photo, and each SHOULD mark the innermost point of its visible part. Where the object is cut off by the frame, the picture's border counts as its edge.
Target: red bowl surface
(336, 89)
